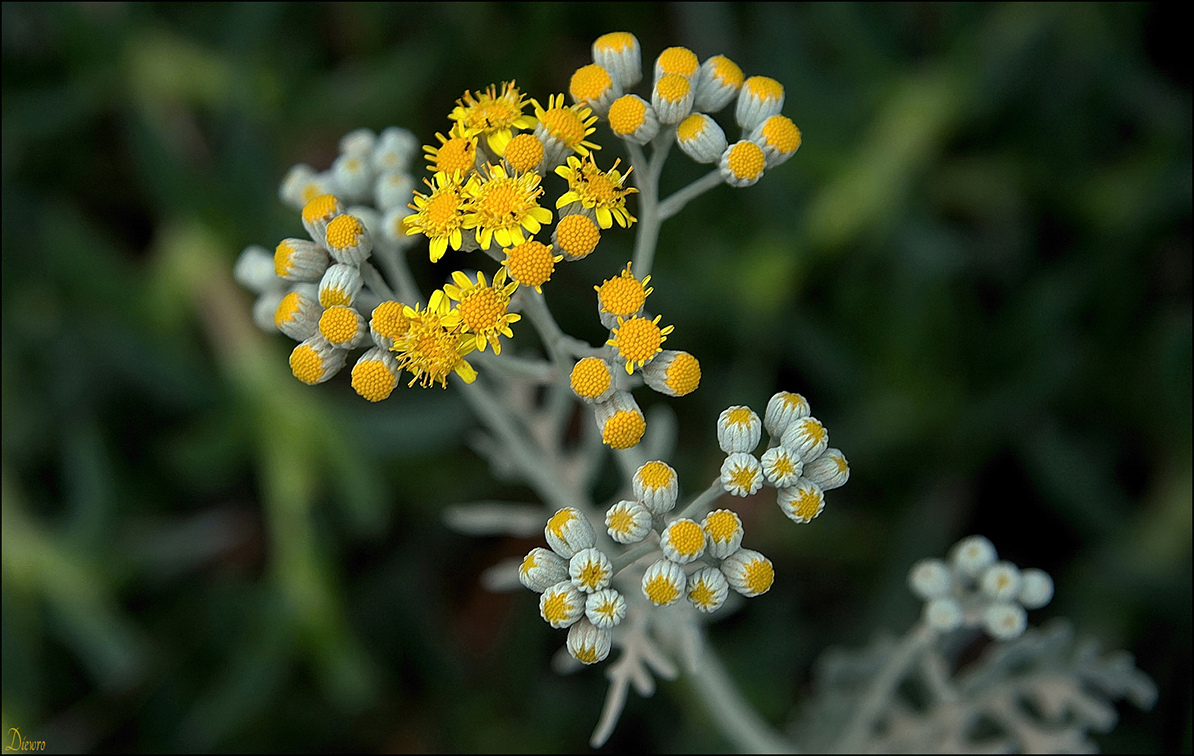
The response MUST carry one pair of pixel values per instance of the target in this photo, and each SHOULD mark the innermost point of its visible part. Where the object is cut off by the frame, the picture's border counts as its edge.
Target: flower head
(638, 340)
(315, 360)
(759, 99)
(829, 470)
(493, 114)
(587, 643)
(593, 86)
(673, 372)
(620, 54)
(1036, 588)
(632, 118)
(590, 570)
(541, 569)
(501, 206)
(562, 604)
(622, 296)
(628, 521)
(801, 502)
(655, 485)
(568, 532)
(682, 541)
(738, 429)
(433, 346)
(591, 380)
(600, 191)
(456, 155)
(621, 421)
(483, 307)
(375, 375)
(531, 263)
(781, 466)
(723, 528)
(741, 474)
(524, 153)
(564, 128)
(605, 608)
(664, 582)
(708, 589)
(440, 214)
(748, 572)
(717, 82)
(576, 236)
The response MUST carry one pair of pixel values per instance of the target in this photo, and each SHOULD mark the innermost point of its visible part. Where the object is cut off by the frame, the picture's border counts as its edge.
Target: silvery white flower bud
(1036, 588)
(562, 604)
(588, 643)
(1005, 621)
(605, 608)
(930, 579)
(748, 572)
(590, 570)
(664, 582)
(541, 569)
(569, 532)
(708, 589)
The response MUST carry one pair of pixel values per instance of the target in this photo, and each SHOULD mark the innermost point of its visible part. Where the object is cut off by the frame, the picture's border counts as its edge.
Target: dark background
(977, 268)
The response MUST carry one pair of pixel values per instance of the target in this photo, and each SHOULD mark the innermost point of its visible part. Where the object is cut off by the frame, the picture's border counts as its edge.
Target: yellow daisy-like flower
(493, 115)
(638, 340)
(569, 125)
(440, 215)
(502, 206)
(623, 295)
(483, 307)
(455, 156)
(434, 345)
(597, 190)
(531, 264)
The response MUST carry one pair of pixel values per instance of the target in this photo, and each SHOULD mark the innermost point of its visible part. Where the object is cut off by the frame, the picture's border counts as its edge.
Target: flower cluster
(684, 91)
(974, 589)
(798, 461)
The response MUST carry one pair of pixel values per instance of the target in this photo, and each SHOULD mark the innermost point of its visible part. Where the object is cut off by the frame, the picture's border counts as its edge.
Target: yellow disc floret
(808, 504)
(746, 160)
(524, 153)
(531, 263)
(673, 87)
(678, 60)
(638, 340)
(373, 380)
(306, 364)
(624, 429)
(557, 608)
(623, 295)
(684, 374)
(781, 134)
(589, 83)
(590, 378)
(339, 325)
(282, 254)
(627, 114)
(344, 231)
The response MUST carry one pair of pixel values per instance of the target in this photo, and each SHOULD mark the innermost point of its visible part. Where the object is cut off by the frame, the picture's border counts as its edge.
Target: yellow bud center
(282, 254)
(577, 235)
(722, 525)
(781, 134)
(746, 160)
(306, 364)
(691, 127)
(344, 231)
(621, 521)
(322, 206)
(287, 308)
(684, 374)
(590, 377)
(624, 429)
(627, 114)
(373, 380)
(589, 83)
(389, 320)
(686, 537)
(673, 87)
(744, 477)
(339, 325)
(678, 60)
(726, 71)
(701, 594)
(564, 124)
(740, 416)
(559, 521)
(622, 295)
(758, 576)
(655, 475)
(660, 590)
(764, 88)
(615, 42)
(557, 607)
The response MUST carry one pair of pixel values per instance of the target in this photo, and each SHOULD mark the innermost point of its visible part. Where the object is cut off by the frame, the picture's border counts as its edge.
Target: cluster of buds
(698, 563)
(684, 91)
(798, 461)
(974, 589)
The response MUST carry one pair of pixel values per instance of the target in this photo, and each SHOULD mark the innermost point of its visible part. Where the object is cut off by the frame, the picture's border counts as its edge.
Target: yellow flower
(566, 125)
(483, 307)
(492, 115)
(455, 156)
(440, 215)
(434, 344)
(501, 206)
(597, 190)
(638, 340)
(531, 263)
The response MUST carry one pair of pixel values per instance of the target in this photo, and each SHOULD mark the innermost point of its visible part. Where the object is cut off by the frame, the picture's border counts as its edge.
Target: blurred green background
(977, 268)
